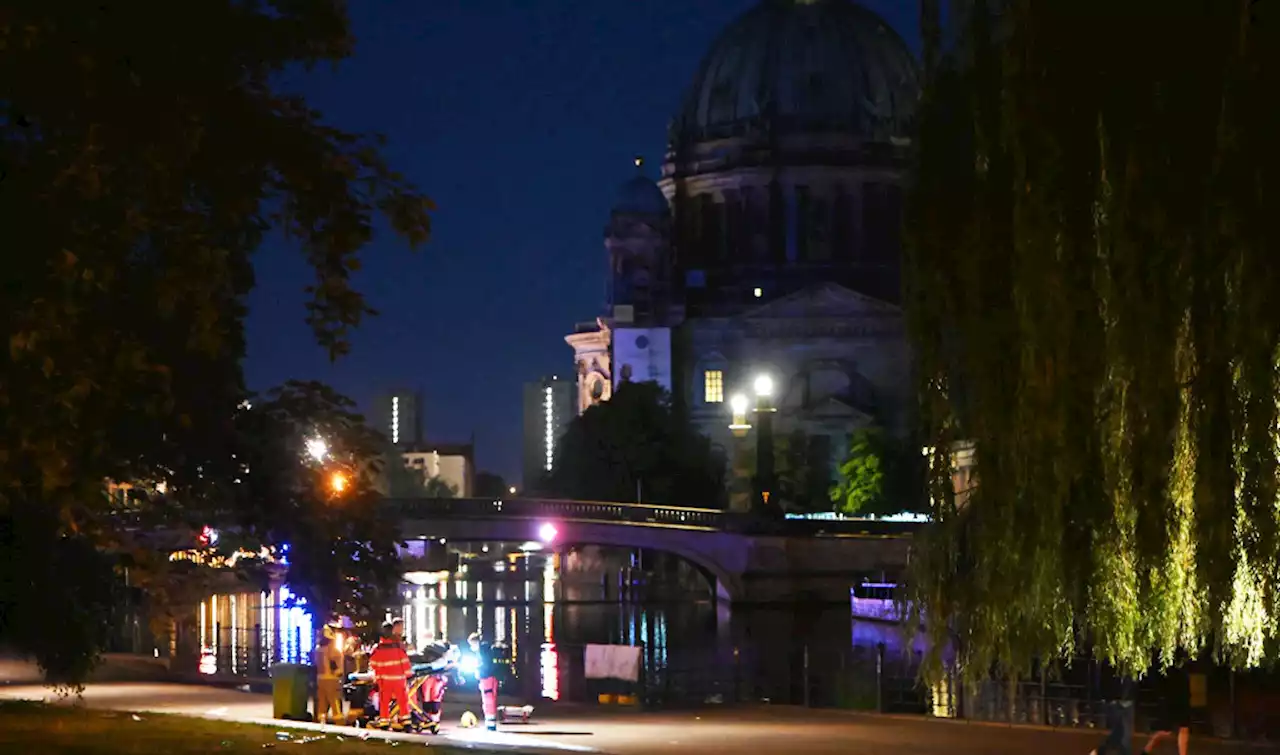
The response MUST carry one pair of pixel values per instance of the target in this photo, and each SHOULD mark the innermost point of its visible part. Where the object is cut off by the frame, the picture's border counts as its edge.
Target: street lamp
(317, 448)
(338, 482)
(763, 483)
(764, 442)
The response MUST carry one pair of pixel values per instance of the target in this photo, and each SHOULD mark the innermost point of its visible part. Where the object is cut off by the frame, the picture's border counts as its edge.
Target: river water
(541, 610)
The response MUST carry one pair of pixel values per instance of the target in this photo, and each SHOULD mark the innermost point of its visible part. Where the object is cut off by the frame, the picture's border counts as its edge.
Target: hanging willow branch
(1094, 307)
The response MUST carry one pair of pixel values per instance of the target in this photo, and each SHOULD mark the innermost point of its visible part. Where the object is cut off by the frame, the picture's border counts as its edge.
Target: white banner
(613, 662)
(641, 355)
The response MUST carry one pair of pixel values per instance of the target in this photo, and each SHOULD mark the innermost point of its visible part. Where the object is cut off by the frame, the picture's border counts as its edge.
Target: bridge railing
(549, 508)
(638, 513)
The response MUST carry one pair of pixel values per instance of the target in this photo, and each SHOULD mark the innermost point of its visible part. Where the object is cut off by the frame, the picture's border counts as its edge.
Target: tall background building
(437, 468)
(769, 243)
(399, 417)
(549, 405)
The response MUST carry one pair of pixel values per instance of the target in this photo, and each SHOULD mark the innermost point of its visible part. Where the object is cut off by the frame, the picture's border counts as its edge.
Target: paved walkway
(731, 730)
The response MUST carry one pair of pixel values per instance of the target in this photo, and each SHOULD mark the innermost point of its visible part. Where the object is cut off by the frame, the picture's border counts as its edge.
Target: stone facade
(838, 361)
(771, 241)
(593, 364)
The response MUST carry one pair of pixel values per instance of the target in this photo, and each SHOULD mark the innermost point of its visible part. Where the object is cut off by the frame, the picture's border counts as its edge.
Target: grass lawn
(35, 728)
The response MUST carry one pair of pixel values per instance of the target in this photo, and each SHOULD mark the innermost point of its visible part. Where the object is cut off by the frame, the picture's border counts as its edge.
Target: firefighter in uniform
(330, 664)
(391, 670)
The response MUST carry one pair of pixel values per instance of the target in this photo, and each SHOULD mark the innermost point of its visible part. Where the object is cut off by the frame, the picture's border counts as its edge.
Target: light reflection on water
(541, 623)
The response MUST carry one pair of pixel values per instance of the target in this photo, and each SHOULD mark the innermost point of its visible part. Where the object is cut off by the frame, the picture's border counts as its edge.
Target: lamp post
(763, 483)
(764, 444)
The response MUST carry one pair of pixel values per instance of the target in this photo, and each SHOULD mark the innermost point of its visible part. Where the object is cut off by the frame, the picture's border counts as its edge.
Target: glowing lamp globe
(547, 532)
(764, 385)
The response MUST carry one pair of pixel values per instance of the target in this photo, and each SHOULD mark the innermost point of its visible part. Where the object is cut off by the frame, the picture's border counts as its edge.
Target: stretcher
(433, 671)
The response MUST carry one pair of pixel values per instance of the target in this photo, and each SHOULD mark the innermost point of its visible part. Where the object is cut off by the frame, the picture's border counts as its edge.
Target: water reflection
(540, 619)
(240, 633)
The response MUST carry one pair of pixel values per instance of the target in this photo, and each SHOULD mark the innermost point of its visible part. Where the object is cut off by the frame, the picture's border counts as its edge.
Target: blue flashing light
(470, 665)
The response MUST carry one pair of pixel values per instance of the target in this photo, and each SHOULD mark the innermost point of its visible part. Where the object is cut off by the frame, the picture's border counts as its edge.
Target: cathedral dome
(640, 196)
(803, 66)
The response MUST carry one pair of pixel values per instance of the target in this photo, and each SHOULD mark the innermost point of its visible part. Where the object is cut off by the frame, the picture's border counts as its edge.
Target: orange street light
(338, 482)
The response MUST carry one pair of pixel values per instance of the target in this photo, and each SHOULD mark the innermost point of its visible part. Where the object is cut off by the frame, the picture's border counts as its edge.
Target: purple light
(547, 533)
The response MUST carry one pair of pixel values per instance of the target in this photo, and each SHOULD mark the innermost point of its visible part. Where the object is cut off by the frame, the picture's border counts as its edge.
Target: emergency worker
(391, 670)
(488, 680)
(330, 664)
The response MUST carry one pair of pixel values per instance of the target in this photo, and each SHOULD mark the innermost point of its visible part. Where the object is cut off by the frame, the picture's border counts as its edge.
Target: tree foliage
(636, 442)
(402, 481)
(1092, 299)
(861, 488)
(56, 594)
(490, 485)
(439, 487)
(879, 476)
(341, 550)
(145, 152)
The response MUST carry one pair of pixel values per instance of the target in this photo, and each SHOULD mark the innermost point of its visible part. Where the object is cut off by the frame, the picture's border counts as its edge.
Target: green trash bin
(290, 684)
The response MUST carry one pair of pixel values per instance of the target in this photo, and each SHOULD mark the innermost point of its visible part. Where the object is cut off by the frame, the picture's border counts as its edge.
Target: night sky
(519, 119)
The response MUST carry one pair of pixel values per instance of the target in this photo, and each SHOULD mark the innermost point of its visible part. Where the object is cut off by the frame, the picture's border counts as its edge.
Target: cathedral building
(770, 242)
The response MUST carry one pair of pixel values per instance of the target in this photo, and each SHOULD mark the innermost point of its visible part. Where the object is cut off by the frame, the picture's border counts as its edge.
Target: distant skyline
(519, 120)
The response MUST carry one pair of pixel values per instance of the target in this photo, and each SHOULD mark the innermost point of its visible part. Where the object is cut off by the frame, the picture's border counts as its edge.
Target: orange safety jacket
(390, 661)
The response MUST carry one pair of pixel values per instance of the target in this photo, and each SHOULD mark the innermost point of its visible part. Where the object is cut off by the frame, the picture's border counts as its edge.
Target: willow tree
(1095, 308)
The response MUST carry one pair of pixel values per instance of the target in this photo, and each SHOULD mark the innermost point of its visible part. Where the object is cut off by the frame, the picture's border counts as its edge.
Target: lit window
(713, 386)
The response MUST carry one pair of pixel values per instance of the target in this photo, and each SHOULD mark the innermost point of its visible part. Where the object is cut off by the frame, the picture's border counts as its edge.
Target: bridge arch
(696, 547)
(725, 585)
(743, 563)
(695, 536)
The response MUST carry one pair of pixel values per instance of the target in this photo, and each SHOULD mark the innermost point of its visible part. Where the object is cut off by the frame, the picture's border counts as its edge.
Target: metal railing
(585, 511)
(855, 679)
(639, 513)
(541, 508)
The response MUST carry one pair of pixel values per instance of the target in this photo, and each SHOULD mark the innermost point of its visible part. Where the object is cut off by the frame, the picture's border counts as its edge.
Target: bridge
(747, 560)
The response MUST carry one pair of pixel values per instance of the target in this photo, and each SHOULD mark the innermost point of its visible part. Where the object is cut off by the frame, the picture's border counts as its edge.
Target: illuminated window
(713, 386)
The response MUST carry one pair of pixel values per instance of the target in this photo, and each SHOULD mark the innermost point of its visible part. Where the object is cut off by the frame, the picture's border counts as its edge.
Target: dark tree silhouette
(637, 444)
(145, 153)
(490, 485)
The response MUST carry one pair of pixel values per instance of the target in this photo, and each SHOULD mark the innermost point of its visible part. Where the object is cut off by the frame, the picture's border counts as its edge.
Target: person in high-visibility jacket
(391, 670)
(484, 671)
(329, 663)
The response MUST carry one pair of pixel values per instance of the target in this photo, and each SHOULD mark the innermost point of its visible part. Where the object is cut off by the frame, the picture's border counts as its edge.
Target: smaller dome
(640, 196)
